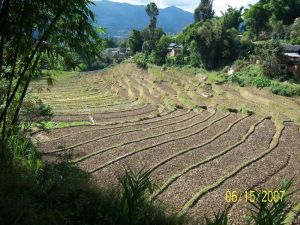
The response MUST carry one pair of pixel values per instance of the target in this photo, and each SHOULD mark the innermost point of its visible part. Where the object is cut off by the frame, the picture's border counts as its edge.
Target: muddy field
(140, 120)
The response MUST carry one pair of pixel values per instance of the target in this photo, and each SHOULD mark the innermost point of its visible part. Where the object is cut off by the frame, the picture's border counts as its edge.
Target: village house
(292, 59)
(174, 49)
(112, 52)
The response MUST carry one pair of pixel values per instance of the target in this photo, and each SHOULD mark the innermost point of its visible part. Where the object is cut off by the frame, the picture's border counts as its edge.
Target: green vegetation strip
(155, 145)
(191, 202)
(119, 133)
(292, 214)
(181, 173)
(133, 141)
(58, 125)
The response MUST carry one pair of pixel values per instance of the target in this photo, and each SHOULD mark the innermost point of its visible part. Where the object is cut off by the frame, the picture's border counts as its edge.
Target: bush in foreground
(60, 193)
(141, 60)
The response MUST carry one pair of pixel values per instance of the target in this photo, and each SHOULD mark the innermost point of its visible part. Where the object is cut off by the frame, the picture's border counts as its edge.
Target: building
(292, 59)
(174, 49)
(110, 52)
(116, 52)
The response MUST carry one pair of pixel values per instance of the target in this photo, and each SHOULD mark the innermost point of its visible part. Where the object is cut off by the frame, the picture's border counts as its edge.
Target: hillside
(196, 147)
(120, 18)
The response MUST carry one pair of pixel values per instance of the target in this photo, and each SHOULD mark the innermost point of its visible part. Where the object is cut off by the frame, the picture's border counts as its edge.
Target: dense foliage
(204, 11)
(214, 42)
(268, 18)
(32, 31)
(210, 44)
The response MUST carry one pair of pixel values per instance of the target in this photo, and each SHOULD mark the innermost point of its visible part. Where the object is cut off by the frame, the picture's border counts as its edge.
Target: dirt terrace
(195, 155)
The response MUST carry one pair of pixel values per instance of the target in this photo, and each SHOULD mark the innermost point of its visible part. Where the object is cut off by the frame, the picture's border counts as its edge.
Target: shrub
(219, 219)
(134, 199)
(141, 60)
(178, 60)
(238, 79)
(262, 82)
(246, 111)
(35, 111)
(22, 152)
(247, 74)
(285, 90)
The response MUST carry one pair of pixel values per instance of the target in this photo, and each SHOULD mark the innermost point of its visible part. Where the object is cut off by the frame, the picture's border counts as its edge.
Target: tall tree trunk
(4, 129)
(2, 42)
(3, 15)
(21, 100)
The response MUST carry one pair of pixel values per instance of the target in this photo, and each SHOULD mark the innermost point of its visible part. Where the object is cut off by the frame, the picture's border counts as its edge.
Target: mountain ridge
(120, 18)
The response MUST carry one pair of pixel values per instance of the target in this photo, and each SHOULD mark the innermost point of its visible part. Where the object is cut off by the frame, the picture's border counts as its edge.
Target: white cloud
(190, 5)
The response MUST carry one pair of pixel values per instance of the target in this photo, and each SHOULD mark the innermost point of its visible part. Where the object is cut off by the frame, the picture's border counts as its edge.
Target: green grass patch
(186, 101)
(252, 75)
(212, 76)
(223, 108)
(156, 72)
(285, 89)
(52, 125)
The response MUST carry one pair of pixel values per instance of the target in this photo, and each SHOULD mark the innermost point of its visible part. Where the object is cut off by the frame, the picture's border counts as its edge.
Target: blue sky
(190, 5)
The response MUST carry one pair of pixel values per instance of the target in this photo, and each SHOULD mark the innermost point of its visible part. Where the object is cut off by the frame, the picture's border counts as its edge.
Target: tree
(210, 44)
(257, 19)
(204, 11)
(285, 10)
(152, 12)
(295, 32)
(135, 41)
(160, 54)
(233, 17)
(110, 43)
(31, 29)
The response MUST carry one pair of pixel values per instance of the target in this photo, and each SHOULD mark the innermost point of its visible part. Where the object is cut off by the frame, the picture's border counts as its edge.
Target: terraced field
(197, 147)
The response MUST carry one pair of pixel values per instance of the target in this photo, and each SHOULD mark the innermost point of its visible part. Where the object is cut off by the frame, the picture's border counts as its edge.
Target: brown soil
(206, 174)
(103, 132)
(114, 142)
(147, 159)
(59, 133)
(109, 116)
(179, 163)
(267, 173)
(161, 138)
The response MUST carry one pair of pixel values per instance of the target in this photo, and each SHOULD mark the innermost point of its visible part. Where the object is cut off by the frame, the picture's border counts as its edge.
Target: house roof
(291, 48)
(293, 55)
(112, 49)
(174, 45)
